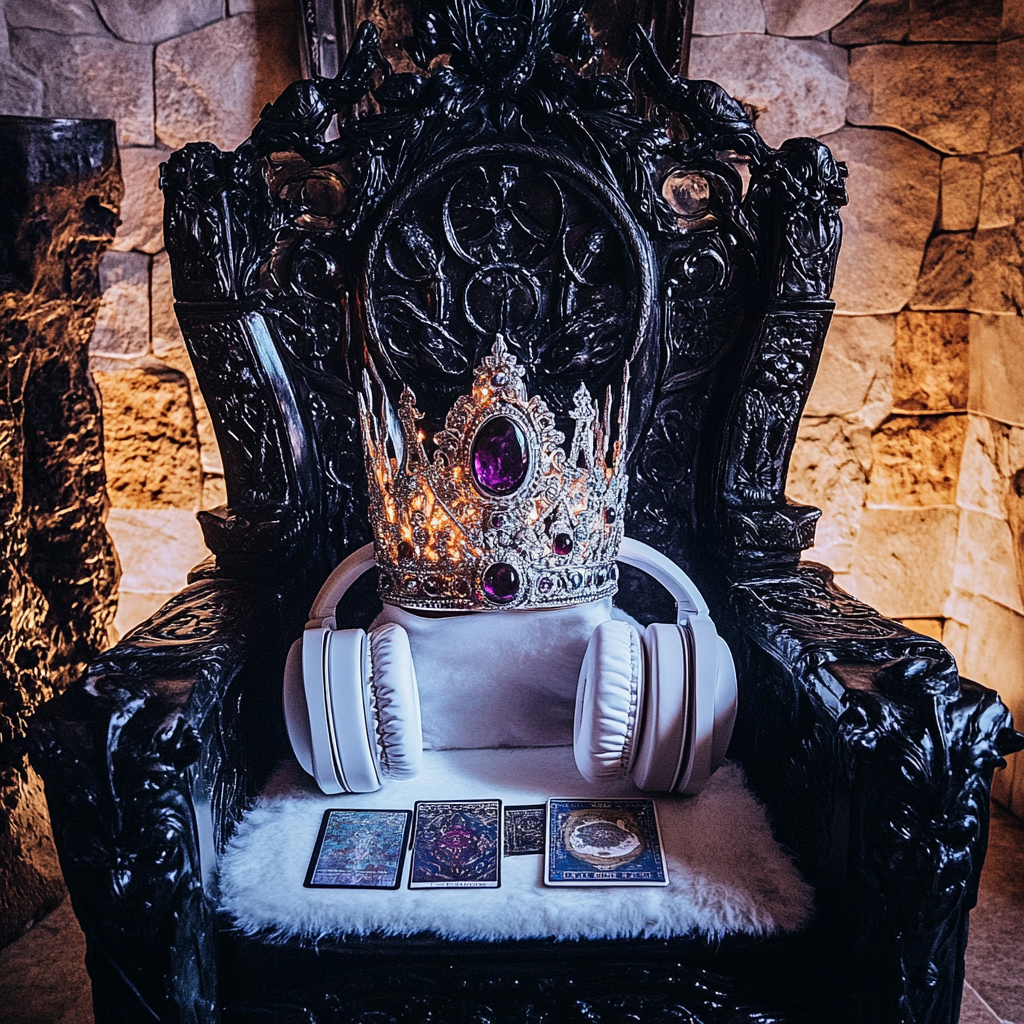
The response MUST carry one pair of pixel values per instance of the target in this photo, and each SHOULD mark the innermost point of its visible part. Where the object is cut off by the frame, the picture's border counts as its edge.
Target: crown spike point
(498, 517)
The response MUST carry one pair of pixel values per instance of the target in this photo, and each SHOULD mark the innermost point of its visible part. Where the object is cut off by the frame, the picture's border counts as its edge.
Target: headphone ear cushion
(396, 695)
(609, 698)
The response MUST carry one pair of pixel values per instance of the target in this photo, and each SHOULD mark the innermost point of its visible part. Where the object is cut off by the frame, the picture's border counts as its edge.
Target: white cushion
(499, 679)
(726, 873)
(394, 690)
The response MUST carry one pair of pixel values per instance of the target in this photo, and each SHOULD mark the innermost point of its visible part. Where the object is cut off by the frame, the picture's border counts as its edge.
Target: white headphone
(658, 705)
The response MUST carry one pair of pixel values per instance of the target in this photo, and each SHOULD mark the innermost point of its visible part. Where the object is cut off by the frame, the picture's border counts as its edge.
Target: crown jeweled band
(501, 516)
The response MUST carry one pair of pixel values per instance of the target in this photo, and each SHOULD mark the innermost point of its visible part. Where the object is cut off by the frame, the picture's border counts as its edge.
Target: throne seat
(727, 875)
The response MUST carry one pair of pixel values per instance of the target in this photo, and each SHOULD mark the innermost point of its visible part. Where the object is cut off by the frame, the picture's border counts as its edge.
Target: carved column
(60, 185)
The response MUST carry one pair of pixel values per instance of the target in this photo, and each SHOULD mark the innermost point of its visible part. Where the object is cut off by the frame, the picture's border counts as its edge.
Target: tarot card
(603, 842)
(455, 844)
(524, 830)
(359, 850)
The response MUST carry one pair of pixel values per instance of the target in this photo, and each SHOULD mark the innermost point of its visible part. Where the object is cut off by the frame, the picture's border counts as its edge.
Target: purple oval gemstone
(500, 458)
(501, 582)
(562, 544)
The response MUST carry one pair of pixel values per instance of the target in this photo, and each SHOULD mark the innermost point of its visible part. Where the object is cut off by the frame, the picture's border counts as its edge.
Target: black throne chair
(591, 220)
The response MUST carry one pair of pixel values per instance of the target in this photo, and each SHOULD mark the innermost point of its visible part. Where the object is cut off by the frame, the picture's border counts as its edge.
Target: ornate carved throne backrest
(507, 188)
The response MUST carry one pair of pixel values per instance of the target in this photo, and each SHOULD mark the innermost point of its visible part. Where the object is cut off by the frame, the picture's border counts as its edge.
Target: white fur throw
(727, 874)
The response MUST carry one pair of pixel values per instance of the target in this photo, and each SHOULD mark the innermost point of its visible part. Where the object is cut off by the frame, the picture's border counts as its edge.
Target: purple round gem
(500, 458)
(562, 544)
(501, 582)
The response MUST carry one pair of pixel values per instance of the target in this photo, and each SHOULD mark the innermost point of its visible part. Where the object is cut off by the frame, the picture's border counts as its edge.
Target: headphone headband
(632, 552)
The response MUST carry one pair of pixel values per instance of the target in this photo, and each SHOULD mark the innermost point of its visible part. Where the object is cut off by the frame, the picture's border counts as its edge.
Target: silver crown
(501, 516)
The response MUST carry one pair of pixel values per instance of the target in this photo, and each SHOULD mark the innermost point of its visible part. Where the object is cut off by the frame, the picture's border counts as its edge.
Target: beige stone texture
(894, 197)
(21, 93)
(1012, 26)
(876, 21)
(828, 470)
(122, 325)
(916, 460)
(805, 17)
(947, 273)
(149, 432)
(212, 84)
(903, 560)
(215, 493)
(714, 18)
(994, 652)
(855, 372)
(69, 17)
(984, 564)
(961, 192)
(157, 548)
(142, 209)
(956, 21)
(92, 76)
(798, 87)
(1002, 195)
(930, 368)
(985, 467)
(169, 346)
(1008, 109)
(997, 368)
(152, 21)
(166, 332)
(997, 284)
(939, 93)
(926, 627)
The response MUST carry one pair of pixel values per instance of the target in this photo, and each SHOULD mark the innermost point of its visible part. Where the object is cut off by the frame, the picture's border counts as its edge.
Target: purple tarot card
(456, 844)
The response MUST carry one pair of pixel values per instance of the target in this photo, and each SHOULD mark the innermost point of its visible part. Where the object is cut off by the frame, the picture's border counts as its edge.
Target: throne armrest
(876, 760)
(147, 766)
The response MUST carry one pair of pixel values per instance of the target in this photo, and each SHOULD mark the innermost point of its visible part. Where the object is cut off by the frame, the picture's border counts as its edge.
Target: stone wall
(913, 440)
(169, 72)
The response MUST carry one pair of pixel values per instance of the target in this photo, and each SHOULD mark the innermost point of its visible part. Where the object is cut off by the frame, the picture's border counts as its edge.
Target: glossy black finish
(510, 190)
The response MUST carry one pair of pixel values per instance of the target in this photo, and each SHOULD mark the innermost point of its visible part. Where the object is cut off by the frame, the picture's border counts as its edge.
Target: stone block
(926, 627)
(152, 448)
(209, 451)
(955, 20)
(930, 368)
(994, 652)
(984, 562)
(827, 471)
(92, 76)
(961, 192)
(215, 492)
(142, 209)
(212, 84)
(1008, 108)
(805, 17)
(21, 93)
(152, 21)
(166, 332)
(916, 460)
(997, 368)
(855, 372)
(157, 548)
(940, 93)
(798, 87)
(1002, 194)
(713, 18)
(122, 326)
(877, 21)
(903, 560)
(947, 273)
(997, 284)
(1012, 26)
(985, 467)
(67, 17)
(894, 197)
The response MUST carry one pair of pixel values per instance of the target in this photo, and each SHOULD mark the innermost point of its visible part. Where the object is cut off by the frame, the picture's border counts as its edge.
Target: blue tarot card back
(360, 850)
(603, 842)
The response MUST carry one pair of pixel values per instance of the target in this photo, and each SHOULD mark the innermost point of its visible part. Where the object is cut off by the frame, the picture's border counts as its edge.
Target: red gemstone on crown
(500, 459)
